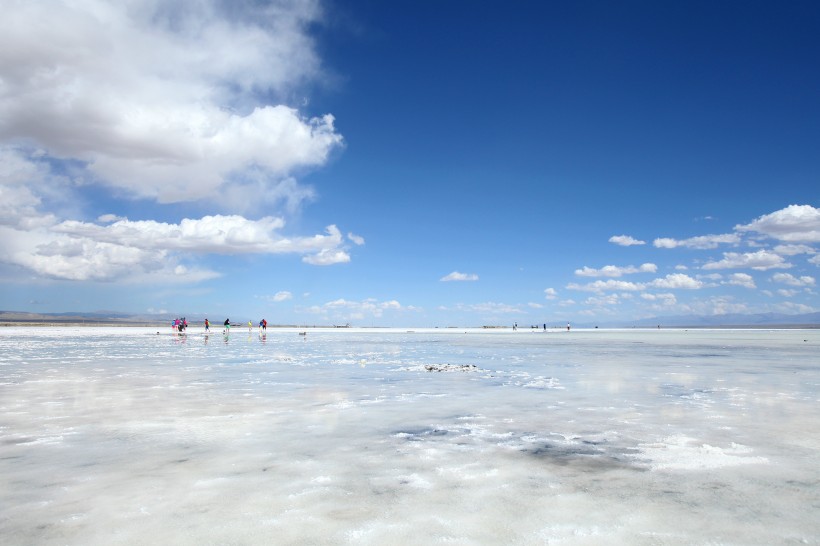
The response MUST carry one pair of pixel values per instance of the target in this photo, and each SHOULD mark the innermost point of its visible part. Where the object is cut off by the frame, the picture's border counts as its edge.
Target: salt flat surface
(129, 436)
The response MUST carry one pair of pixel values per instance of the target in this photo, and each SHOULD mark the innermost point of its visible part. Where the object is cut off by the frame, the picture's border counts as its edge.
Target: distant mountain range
(754, 320)
(98, 317)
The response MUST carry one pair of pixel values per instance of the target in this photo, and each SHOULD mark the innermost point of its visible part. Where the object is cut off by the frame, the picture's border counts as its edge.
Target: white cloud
(790, 307)
(603, 300)
(741, 279)
(355, 239)
(608, 285)
(133, 250)
(210, 234)
(625, 240)
(724, 305)
(456, 276)
(795, 223)
(615, 271)
(282, 295)
(24, 184)
(793, 250)
(146, 97)
(787, 292)
(550, 293)
(815, 260)
(760, 260)
(701, 242)
(676, 280)
(791, 280)
(342, 309)
(666, 299)
(492, 308)
(80, 258)
(327, 256)
(110, 218)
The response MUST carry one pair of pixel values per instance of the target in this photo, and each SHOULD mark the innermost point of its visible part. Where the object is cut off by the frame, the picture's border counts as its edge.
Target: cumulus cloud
(677, 280)
(793, 250)
(355, 239)
(702, 242)
(760, 260)
(456, 276)
(791, 280)
(603, 300)
(327, 256)
(625, 240)
(795, 223)
(489, 307)
(343, 309)
(608, 285)
(550, 293)
(615, 271)
(282, 295)
(147, 98)
(666, 299)
(741, 279)
(146, 249)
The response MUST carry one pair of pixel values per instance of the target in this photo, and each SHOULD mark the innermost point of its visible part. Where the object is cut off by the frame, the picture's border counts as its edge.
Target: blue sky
(410, 163)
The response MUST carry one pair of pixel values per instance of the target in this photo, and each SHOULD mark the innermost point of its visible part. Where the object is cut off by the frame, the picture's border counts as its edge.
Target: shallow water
(126, 436)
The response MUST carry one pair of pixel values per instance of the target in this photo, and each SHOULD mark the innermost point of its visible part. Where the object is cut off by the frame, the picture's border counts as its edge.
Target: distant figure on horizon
(250, 326)
(263, 324)
(568, 327)
(515, 326)
(227, 325)
(545, 326)
(207, 326)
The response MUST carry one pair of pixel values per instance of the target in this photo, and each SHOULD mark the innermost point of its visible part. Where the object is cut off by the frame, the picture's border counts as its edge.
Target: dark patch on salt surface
(451, 368)
(19, 440)
(588, 458)
(416, 435)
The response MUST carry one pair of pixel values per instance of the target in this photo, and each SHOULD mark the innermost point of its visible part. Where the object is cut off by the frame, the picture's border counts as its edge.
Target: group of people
(263, 324)
(179, 325)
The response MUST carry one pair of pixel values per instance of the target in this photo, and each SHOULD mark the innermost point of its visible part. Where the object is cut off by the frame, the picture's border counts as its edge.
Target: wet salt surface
(123, 436)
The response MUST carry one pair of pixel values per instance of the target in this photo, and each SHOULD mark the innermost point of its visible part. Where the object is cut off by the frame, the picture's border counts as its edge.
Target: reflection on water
(120, 435)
